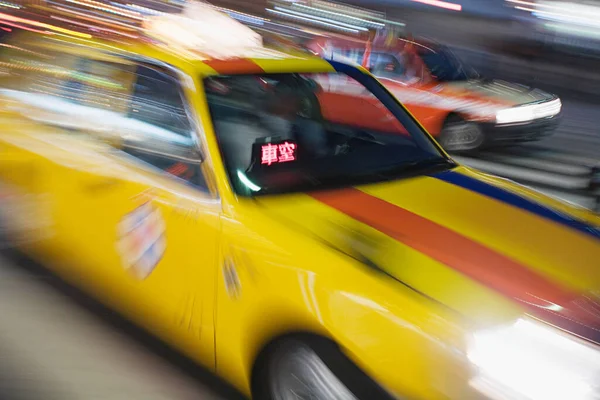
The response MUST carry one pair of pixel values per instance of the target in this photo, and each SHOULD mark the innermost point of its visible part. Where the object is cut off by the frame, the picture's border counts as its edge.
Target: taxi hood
(459, 236)
(506, 93)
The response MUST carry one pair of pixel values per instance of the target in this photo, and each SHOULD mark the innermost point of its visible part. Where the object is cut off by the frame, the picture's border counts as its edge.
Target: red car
(463, 110)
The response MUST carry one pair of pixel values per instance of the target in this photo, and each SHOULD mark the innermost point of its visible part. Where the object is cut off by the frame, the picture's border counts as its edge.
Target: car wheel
(459, 135)
(315, 370)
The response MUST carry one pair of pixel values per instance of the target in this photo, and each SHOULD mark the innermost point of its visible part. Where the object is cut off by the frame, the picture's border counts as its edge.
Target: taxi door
(139, 214)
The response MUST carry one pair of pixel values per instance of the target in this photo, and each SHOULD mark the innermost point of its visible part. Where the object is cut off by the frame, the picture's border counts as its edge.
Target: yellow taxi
(299, 240)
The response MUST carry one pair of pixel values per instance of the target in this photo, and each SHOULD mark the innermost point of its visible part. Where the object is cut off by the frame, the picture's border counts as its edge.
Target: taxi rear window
(290, 132)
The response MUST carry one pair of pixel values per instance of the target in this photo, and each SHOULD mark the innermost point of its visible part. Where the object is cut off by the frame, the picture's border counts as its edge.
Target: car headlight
(529, 360)
(529, 112)
(514, 115)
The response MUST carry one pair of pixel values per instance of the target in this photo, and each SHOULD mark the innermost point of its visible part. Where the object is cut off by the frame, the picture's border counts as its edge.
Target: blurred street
(58, 345)
(561, 165)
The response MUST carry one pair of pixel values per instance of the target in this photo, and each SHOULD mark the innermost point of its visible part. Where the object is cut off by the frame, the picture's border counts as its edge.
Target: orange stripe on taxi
(473, 259)
(235, 66)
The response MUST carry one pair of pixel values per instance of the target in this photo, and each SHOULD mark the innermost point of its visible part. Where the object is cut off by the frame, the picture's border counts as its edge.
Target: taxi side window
(157, 99)
(146, 104)
(165, 137)
(137, 105)
(98, 84)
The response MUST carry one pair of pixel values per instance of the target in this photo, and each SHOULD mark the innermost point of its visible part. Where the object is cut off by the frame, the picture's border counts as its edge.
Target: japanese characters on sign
(275, 153)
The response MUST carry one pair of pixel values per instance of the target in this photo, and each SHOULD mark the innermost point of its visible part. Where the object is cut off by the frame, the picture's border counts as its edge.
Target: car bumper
(509, 133)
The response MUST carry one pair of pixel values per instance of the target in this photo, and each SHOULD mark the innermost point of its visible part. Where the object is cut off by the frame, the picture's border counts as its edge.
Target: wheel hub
(461, 136)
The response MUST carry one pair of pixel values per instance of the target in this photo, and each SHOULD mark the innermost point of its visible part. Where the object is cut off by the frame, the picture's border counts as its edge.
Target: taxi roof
(250, 61)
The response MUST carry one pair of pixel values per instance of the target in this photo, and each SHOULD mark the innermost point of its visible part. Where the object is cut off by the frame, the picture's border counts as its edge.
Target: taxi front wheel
(317, 370)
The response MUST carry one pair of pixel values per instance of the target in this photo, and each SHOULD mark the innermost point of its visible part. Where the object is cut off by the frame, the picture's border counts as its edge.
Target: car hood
(466, 240)
(502, 92)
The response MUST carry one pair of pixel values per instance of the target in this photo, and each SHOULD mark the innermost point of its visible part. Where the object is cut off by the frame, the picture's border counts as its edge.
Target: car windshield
(445, 66)
(282, 133)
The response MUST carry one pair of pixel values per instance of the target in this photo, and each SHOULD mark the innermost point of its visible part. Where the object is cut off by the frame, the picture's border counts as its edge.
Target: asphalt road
(58, 345)
(560, 165)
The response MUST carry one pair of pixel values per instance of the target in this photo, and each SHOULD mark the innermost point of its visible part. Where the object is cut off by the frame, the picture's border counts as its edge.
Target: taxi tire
(317, 365)
(455, 125)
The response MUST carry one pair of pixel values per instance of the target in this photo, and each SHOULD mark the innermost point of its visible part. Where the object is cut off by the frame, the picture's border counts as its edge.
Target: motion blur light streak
(561, 11)
(42, 25)
(104, 7)
(99, 20)
(348, 9)
(248, 20)
(94, 27)
(243, 17)
(377, 24)
(25, 28)
(145, 9)
(413, 43)
(9, 5)
(228, 10)
(565, 7)
(21, 49)
(360, 28)
(441, 4)
(587, 16)
(531, 10)
(591, 33)
(312, 21)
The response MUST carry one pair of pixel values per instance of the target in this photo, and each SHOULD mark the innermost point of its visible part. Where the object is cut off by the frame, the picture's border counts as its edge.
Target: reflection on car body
(291, 227)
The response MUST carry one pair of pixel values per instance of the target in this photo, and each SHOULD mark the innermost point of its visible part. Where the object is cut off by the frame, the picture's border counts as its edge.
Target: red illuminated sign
(278, 153)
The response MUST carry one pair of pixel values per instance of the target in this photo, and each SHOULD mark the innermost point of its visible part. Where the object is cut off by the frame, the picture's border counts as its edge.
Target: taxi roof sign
(201, 28)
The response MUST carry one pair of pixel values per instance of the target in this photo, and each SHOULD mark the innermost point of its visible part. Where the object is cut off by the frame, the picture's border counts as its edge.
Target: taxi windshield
(290, 132)
(446, 66)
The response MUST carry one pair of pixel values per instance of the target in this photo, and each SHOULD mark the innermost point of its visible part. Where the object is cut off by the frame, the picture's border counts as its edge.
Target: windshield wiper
(414, 166)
